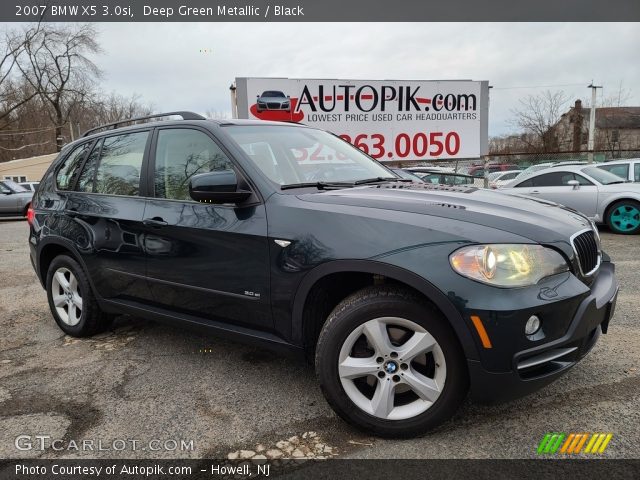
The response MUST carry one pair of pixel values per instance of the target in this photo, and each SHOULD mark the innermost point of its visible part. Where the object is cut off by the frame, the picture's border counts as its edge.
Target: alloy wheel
(66, 296)
(392, 368)
(625, 218)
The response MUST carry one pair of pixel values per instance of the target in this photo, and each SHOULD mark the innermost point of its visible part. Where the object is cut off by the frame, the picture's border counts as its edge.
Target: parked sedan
(500, 179)
(627, 169)
(600, 195)
(14, 199)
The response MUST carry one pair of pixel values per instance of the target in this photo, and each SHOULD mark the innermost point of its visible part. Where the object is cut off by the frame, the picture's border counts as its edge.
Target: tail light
(30, 215)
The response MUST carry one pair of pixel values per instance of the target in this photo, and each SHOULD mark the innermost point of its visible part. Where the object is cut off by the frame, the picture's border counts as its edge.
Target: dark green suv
(406, 295)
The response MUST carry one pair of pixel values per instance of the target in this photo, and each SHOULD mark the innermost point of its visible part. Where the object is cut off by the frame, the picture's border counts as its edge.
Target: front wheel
(624, 217)
(389, 363)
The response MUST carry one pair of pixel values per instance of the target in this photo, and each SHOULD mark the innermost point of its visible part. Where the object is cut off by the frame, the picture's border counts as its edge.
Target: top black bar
(320, 10)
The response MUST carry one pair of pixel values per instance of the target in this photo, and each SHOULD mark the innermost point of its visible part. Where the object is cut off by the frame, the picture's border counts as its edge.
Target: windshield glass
(602, 176)
(14, 186)
(290, 155)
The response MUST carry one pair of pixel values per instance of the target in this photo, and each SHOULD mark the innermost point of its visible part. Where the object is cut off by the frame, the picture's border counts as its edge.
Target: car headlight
(507, 265)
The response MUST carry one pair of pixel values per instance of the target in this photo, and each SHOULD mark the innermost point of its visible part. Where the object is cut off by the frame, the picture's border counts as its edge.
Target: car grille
(586, 247)
(275, 106)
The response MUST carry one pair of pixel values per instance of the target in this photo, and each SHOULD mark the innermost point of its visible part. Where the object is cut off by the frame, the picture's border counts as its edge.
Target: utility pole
(592, 120)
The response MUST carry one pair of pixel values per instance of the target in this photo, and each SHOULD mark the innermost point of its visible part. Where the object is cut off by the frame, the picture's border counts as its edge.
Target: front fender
(390, 270)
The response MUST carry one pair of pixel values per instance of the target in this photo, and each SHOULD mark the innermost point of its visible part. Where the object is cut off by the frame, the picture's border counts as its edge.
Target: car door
(554, 186)
(206, 260)
(102, 211)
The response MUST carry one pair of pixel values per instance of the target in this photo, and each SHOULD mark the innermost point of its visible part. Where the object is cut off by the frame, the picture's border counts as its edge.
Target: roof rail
(114, 125)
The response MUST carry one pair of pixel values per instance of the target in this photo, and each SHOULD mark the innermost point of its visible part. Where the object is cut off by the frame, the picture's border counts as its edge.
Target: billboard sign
(389, 119)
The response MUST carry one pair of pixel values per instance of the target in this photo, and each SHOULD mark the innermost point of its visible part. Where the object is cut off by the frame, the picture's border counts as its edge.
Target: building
(26, 169)
(617, 129)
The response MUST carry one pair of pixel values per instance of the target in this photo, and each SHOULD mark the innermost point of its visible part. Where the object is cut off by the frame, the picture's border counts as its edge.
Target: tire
(623, 217)
(407, 414)
(73, 305)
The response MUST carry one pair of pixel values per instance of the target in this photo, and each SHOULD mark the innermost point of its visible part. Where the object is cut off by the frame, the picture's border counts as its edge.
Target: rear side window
(182, 153)
(114, 166)
(69, 169)
(636, 172)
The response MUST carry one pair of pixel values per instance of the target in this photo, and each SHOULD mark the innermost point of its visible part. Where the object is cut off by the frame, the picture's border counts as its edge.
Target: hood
(539, 220)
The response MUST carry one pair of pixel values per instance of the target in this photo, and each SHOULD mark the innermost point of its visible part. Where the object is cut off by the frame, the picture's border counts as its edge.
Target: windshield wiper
(318, 185)
(335, 185)
(381, 179)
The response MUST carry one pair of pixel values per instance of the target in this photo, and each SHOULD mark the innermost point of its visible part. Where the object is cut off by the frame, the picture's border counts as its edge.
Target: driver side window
(182, 153)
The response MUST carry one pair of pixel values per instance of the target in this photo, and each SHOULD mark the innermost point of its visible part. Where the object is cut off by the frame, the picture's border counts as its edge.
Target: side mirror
(574, 183)
(6, 192)
(217, 187)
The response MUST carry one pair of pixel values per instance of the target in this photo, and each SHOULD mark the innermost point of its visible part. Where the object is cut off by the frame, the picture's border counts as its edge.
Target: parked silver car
(627, 169)
(14, 199)
(600, 195)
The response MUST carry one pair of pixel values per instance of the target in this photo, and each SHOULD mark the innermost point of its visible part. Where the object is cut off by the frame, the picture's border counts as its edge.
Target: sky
(190, 66)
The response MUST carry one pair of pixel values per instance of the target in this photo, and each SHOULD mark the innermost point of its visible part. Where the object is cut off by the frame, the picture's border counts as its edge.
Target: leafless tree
(57, 65)
(537, 115)
(13, 93)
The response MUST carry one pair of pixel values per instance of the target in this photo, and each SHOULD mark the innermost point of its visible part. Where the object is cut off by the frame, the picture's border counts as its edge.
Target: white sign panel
(389, 119)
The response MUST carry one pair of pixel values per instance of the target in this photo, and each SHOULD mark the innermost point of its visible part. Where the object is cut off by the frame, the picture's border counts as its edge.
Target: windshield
(602, 176)
(291, 155)
(272, 93)
(14, 186)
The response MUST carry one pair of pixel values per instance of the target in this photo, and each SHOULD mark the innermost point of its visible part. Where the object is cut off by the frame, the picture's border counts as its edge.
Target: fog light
(532, 326)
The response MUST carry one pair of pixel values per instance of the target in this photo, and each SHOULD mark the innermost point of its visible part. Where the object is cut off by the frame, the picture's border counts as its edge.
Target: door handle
(154, 222)
(535, 191)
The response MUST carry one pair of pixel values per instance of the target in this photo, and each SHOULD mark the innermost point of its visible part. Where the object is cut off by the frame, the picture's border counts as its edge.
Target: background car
(31, 186)
(541, 166)
(445, 177)
(627, 169)
(407, 175)
(598, 194)
(273, 100)
(500, 179)
(478, 170)
(14, 199)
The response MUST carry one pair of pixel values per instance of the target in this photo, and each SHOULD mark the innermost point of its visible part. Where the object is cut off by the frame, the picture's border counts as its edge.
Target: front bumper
(538, 366)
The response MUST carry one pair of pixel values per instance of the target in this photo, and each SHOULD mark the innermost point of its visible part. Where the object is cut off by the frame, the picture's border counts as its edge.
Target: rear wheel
(624, 217)
(71, 300)
(389, 363)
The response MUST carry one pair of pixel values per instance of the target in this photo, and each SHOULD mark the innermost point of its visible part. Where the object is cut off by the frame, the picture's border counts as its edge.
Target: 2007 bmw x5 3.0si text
(406, 295)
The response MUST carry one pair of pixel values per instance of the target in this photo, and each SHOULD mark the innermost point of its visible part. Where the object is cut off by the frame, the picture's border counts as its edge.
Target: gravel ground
(143, 382)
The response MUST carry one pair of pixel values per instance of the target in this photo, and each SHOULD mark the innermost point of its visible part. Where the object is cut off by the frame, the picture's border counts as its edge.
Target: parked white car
(500, 179)
(600, 195)
(627, 169)
(31, 186)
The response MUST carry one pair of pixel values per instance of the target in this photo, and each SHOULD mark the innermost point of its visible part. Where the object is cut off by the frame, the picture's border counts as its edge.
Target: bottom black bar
(84, 469)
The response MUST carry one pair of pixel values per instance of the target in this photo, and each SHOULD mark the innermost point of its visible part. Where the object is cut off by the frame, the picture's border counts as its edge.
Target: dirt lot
(143, 382)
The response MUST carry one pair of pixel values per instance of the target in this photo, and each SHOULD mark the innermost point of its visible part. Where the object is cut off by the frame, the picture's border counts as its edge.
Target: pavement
(144, 390)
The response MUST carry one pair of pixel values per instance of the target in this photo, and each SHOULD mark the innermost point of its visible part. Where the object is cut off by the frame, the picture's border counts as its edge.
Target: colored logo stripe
(573, 443)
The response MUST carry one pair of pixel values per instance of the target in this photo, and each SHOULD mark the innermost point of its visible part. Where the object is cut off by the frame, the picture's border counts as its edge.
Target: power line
(11, 133)
(540, 86)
